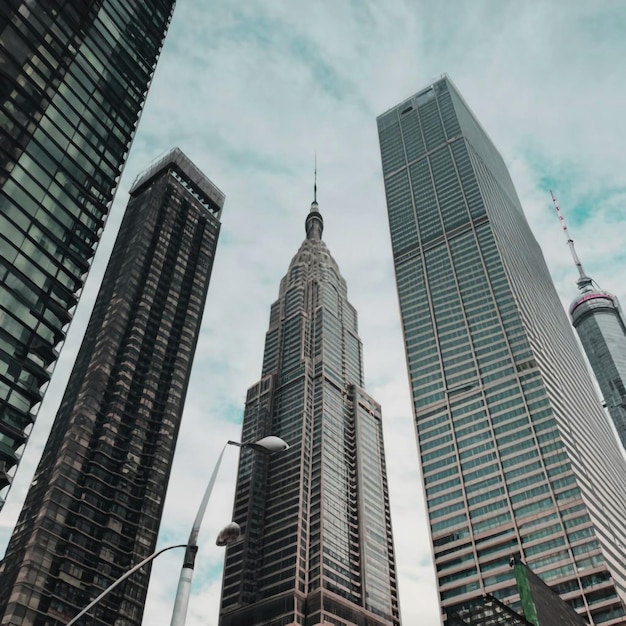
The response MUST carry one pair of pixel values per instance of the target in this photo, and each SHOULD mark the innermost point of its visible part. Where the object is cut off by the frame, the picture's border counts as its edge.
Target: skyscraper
(74, 75)
(317, 545)
(94, 506)
(599, 321)
(516, 453)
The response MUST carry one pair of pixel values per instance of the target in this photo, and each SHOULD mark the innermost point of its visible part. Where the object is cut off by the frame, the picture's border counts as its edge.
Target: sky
(250, 92)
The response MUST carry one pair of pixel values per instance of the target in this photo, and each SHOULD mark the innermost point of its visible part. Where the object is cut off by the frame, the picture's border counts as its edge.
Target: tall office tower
(599, 321)
(74, 75)
(317, 545)
(94, 506)
(517, 455)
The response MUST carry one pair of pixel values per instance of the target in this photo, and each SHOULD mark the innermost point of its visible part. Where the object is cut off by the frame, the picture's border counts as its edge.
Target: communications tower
(599, 321)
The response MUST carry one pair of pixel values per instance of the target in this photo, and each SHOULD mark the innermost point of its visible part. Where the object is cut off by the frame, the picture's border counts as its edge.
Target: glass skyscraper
(517, 456)
(317, 546)
(94, 507)
(74, 75)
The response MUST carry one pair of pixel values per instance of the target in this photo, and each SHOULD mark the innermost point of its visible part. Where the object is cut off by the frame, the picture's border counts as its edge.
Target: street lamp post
(121, 579)
(228, 534)
(266, 445)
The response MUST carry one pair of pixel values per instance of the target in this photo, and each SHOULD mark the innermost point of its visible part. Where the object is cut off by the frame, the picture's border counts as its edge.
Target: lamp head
(230, 533)
(268, 445)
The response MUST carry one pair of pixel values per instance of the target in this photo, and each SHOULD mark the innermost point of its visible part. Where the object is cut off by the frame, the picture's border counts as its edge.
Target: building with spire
(601, 327)
(517, 455)
(94, 507)
(317, 545)
(74, 76)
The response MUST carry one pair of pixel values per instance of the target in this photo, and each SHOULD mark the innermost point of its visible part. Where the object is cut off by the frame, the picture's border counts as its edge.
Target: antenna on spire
(570, 242)
(315, 180)
(314, 224)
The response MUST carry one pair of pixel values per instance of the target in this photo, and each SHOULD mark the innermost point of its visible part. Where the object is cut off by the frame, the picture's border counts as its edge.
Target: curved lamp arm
(267, 445)
(183, 591)
(130, 572)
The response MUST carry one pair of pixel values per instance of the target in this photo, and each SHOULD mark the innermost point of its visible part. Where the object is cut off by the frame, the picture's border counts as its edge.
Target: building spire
(583, 280)
(314, 223)
(315, 180)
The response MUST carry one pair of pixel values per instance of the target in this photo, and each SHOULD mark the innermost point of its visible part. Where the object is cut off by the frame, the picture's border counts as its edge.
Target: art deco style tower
(599, 321)
(94, 507)
(74, 75)
(518, 458)
(317, 545)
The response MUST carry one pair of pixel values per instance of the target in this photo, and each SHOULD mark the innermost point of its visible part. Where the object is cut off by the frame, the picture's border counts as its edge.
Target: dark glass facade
(317, 546)
(94, 507)
(484, 611)
(517, 456)
(540, 604)
(73, 79)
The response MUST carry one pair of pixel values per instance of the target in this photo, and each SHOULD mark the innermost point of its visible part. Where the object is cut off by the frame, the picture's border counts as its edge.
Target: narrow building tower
(317, 545)
(94, 507)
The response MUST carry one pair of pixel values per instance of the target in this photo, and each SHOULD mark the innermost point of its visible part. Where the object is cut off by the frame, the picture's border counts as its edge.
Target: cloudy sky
(249, 91)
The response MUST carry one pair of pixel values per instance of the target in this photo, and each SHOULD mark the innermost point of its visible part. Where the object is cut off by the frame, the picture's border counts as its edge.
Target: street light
(121, 579)
(230, 533)
(266, 445)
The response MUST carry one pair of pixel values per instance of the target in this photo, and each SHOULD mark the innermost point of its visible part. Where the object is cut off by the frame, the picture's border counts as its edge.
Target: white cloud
(249, 92)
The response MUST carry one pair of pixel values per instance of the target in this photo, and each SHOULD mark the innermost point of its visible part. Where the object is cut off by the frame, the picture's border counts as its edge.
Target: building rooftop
(189, 174)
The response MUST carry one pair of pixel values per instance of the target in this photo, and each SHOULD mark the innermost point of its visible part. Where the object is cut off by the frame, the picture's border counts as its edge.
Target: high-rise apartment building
(94, 506)
(599, 321)
(317, 546)
(74, 75)
(517, 456)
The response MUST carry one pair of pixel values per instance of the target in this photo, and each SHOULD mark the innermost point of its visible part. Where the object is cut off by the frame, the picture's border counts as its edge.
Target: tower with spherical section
(599, 321)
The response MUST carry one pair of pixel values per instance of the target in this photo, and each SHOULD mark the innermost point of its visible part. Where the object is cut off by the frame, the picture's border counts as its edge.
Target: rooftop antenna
(315, 181)
(584, 279)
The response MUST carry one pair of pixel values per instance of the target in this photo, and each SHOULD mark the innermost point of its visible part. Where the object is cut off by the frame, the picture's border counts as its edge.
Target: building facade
(74, 75)
(317, 545)
(540, 604)
(94, 507)
(484, 611)
(517, 456)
